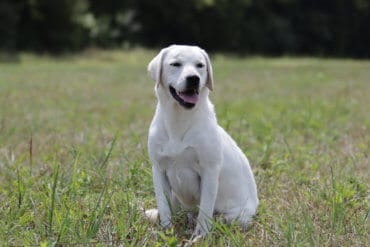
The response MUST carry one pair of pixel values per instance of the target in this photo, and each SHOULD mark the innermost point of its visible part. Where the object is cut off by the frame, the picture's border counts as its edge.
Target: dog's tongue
(189, 98)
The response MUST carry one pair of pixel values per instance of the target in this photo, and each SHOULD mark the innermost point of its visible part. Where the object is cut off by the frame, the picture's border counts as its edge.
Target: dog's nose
(192, 81)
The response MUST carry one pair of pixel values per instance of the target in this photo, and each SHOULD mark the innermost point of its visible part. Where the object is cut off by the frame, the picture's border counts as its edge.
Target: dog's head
(183, 72)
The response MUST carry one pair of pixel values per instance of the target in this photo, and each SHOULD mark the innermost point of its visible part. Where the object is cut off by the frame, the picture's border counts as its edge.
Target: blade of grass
(31, 153)
(64, 226)
(52, 199)
(20, 189)
(93, 223)
(97, 223)
(104, 163)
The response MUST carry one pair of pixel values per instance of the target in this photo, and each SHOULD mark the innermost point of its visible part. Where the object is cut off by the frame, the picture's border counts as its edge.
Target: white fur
(196, 164)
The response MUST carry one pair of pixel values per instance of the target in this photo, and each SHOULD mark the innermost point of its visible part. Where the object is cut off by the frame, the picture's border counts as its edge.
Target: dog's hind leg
(243, 216)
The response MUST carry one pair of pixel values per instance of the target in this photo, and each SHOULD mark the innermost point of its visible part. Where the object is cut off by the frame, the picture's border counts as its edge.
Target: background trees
(274, 27)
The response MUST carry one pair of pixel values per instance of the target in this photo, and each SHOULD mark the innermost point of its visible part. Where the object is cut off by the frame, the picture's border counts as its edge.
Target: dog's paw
(151, 215)
(193, 241)
(199, 233)
(166, 224)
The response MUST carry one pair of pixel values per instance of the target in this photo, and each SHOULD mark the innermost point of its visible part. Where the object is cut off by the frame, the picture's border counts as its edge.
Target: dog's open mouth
(187, 98)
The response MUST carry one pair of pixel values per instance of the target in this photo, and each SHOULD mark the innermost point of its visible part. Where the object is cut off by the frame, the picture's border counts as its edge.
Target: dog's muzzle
(189, 97)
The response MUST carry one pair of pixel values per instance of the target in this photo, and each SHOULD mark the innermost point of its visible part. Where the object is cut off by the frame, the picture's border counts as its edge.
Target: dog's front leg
(163, 194)
(209, 188)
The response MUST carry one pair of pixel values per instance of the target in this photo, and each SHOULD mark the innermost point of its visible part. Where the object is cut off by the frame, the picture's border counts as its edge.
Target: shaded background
(338, 28)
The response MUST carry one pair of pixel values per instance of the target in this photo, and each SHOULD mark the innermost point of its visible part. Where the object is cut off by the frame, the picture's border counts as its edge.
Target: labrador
(195, 163)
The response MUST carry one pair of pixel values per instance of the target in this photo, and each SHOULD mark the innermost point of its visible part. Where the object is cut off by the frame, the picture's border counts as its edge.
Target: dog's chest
(177, 154)
(181, 165)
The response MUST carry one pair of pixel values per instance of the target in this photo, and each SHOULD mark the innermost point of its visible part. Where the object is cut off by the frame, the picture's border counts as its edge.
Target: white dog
(196, 164)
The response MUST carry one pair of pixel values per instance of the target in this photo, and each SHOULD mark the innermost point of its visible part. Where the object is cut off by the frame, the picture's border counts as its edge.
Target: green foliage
(74, 168)
(9, 16)
(51, 25)
(332, 28)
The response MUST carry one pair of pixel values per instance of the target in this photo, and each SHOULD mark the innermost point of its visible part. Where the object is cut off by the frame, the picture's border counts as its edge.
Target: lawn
(74, 167)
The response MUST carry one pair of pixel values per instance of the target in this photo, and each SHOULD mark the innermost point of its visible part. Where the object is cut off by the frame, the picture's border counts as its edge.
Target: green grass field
(74, 167)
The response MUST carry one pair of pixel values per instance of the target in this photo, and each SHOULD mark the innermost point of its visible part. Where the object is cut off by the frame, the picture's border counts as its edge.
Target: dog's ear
(155, 67)
(209, 82)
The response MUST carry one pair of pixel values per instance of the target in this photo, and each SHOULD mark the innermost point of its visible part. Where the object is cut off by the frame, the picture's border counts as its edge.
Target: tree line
(271, 27)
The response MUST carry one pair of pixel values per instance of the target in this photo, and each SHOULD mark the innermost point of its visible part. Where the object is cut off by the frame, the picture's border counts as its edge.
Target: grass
(74, 167)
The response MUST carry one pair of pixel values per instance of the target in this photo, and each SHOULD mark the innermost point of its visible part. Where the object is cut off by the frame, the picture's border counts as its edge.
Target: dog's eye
(200, 65)
(175, 64)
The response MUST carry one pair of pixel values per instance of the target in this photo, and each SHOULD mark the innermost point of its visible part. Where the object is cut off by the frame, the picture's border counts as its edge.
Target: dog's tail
(151, 215)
